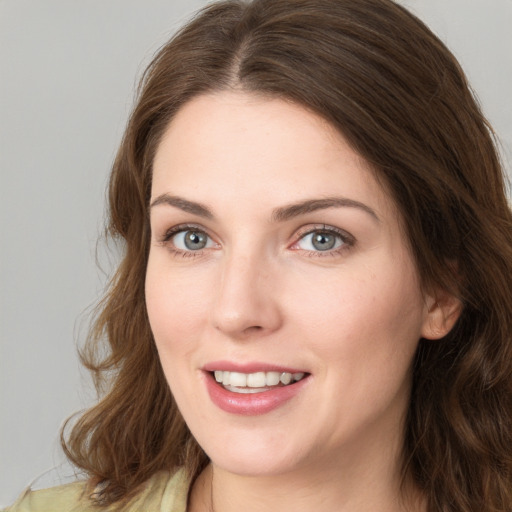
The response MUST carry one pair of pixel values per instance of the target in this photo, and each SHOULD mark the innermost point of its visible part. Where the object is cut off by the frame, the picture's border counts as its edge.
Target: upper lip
(249, 367)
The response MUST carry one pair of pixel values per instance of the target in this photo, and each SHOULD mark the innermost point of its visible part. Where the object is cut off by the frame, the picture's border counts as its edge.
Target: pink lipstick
(253, 388)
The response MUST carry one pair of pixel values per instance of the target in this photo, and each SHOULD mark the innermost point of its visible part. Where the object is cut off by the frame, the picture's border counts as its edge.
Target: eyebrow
(281, 214)
(183, 204)
(287, 212)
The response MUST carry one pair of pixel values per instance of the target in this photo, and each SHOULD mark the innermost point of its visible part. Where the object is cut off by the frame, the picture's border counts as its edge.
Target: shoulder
(64, 497)
(163, 491)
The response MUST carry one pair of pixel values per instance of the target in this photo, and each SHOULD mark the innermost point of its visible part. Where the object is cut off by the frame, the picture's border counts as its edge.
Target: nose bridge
(244, 300)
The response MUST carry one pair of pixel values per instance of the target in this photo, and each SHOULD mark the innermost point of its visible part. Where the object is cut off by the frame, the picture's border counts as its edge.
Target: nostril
(253, 329)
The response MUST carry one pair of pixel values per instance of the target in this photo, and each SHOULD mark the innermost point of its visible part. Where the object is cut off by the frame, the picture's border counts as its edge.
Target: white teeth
(239, 380)
(255, 380)
(245, 391)
(272, 378)
(286, 378)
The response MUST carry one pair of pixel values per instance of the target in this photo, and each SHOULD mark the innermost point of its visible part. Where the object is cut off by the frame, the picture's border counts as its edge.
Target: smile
(252, 390)
(257, 382)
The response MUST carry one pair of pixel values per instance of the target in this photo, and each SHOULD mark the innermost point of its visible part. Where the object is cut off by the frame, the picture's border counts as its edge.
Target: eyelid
(166, 240)
(313, 228)
(169, 233)
(347, 239)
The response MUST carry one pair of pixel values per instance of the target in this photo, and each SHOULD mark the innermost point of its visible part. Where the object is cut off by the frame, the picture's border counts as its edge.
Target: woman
(314, 307)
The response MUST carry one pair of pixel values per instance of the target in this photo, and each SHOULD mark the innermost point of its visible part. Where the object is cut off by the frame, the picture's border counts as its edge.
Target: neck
(335, 487)
(362, 474)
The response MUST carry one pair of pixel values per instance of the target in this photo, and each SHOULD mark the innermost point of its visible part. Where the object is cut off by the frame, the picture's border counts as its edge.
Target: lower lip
(251, 404)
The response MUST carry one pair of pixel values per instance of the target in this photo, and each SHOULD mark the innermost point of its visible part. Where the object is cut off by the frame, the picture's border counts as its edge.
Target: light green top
(163, 492)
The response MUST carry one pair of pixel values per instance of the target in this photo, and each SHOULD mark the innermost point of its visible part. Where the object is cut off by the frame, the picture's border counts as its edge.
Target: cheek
(362, 317)
(176, 315)
(177, 307)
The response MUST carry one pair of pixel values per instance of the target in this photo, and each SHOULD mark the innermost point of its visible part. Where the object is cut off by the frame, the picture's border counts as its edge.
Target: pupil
(323, 241)
(195, 240)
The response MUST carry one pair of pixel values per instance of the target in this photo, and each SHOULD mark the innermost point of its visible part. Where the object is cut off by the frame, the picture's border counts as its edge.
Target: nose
(246, 303)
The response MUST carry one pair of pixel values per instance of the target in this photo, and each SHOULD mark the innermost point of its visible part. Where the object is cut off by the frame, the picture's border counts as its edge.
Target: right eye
(190, 240)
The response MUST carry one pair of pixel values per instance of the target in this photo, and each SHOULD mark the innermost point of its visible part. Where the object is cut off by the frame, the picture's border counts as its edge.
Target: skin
(260, 291)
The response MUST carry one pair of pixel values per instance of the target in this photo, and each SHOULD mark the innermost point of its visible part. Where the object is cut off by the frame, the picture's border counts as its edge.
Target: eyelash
(348, 241)
(179, 229)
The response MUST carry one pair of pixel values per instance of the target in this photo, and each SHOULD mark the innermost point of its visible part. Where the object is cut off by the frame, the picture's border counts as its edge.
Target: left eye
(191, 240)
(320, 241)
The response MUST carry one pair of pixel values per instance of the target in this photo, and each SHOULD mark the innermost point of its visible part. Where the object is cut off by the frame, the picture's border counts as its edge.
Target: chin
(254, 455)
(256, 465)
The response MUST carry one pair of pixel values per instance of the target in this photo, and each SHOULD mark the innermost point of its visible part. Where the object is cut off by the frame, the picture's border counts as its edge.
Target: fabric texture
(163, 492)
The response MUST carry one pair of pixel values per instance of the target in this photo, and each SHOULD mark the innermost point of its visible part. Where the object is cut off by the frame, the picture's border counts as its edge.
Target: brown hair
(399, 97)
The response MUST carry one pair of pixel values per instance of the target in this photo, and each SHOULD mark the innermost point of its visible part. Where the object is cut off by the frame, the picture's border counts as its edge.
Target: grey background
(67, 76)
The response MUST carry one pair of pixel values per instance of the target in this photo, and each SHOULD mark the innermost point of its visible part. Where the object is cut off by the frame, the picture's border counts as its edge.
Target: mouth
(253, 388)
(257, 382)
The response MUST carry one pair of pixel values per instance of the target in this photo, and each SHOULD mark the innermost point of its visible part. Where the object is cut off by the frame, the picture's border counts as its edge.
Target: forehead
(244, 147)
(223, 119)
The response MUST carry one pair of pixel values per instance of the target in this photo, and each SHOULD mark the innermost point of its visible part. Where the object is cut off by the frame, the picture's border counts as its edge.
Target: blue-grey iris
(323, 241)
(195, 240)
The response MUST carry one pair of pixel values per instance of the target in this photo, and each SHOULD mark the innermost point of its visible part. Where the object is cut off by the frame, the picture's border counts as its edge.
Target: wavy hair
(399, 97)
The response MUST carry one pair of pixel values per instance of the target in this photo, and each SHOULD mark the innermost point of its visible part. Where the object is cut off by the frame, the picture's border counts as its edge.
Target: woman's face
(276, 256)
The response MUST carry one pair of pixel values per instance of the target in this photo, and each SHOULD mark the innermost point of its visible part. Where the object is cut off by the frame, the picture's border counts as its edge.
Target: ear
(442, 310)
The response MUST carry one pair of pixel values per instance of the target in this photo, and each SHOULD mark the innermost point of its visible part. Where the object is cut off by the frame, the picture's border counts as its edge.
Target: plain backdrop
(68, 71)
